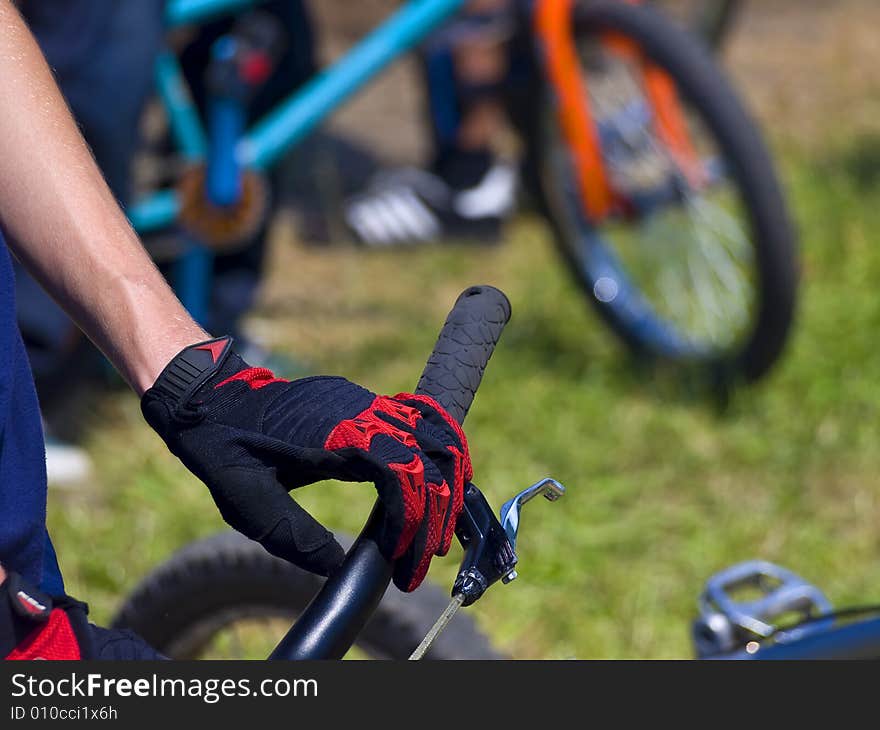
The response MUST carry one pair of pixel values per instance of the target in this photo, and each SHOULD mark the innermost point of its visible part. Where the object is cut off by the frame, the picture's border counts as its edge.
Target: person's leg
(24, 542)
(109, 87)
(466, 192)
(477, 63)
(103, 53)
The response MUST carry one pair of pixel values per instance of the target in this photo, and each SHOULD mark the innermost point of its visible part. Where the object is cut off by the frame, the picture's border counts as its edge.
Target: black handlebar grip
(466, 342)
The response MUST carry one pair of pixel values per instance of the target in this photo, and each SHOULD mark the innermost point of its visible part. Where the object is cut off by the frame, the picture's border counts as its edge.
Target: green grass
(663, 489)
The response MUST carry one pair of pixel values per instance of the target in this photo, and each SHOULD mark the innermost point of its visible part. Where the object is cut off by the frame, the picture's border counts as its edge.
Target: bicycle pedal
(727, 623)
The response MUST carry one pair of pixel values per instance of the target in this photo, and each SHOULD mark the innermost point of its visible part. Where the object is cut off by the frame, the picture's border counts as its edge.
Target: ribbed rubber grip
(466, 342)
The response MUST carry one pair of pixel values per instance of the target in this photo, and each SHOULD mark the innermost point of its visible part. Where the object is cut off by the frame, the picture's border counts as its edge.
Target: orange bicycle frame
(553, 27)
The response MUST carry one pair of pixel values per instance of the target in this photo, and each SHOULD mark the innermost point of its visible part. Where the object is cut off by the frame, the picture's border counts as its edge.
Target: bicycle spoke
(710, 311)
(725, 269)
(723, 223)
(672, 291)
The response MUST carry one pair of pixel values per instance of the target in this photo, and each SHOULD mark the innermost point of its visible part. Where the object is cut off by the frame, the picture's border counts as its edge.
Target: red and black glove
(252, 437)
(34, 625)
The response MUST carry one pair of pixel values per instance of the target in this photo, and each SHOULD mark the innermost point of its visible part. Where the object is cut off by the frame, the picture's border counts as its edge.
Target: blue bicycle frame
(293, 119)
(228, 148)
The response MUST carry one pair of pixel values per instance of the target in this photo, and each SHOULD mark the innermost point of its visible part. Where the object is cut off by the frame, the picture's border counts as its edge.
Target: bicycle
(186, 604)
(657, 186)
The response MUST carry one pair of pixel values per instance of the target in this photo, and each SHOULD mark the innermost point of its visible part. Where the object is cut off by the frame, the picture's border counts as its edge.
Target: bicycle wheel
(697, 264)
(711, 20)
(226, 597)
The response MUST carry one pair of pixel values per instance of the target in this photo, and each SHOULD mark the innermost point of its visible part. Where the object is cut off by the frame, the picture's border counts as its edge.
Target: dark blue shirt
(102, 53)
(24, 542)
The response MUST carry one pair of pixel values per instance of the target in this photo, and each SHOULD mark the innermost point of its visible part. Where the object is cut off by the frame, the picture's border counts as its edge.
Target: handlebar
(332, 621)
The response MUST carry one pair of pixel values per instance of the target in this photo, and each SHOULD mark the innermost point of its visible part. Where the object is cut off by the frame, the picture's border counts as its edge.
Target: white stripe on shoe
(362, 223)
(493, 197)
(393, 216)
(414, 215)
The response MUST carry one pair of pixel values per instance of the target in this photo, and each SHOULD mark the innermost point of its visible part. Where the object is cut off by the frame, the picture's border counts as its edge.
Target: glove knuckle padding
(444, 442)
(440, 422)
(401, 488)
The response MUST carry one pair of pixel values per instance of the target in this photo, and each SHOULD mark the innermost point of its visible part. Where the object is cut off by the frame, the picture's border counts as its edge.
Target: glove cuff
(34, 625)
(191, 368)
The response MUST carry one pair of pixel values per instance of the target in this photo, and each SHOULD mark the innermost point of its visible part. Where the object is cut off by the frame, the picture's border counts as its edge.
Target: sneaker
(409, 206)
(66, 464)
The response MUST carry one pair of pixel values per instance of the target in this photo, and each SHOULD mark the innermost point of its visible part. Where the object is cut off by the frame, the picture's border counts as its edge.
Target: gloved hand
(252, 437)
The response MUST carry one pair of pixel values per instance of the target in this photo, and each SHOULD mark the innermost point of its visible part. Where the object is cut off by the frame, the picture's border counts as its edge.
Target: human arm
(65, 226)
(248, 435)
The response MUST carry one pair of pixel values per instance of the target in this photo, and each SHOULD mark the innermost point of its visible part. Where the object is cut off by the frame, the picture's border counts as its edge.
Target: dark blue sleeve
(24, 543)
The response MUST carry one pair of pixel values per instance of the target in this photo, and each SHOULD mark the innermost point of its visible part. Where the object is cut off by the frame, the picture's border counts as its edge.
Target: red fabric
(256, 378)
(358, 432)
(215, 348)
(411, 478)
(54, 640)
(436, 504)
(455, 425)
(418, 498)
(256, 68)
(464, 469)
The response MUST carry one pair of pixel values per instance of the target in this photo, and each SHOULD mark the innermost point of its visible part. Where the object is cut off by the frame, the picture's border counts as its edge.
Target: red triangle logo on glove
(215, 348)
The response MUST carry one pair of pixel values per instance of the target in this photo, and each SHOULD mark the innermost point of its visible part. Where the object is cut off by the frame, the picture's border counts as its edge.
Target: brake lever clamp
(489, 544)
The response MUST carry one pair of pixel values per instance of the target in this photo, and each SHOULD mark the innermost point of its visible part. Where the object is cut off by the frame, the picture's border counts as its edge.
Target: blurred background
(665, 485)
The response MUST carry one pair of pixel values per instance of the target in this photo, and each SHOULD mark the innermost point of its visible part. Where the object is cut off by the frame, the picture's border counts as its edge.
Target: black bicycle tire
(226, 576)
(713, 29)
(719, 31)
(707, 89)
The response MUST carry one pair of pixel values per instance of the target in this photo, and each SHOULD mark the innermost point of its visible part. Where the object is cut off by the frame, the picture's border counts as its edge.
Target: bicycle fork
(222, 203)
(554, 24)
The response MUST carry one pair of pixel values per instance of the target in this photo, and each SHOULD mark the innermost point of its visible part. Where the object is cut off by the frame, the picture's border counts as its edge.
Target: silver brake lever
(489, 549)
(510, 510)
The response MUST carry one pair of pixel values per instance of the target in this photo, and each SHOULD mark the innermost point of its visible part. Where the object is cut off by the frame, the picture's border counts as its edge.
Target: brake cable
(439, 625)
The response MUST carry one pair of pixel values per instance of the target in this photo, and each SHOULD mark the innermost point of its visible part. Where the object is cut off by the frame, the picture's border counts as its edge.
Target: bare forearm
(65, 226)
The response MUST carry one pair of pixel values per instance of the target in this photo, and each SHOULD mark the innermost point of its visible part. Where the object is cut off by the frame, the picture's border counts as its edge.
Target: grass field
(664, 488)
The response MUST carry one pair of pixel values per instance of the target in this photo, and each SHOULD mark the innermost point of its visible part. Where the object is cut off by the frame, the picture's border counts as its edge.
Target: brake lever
(489, 544)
